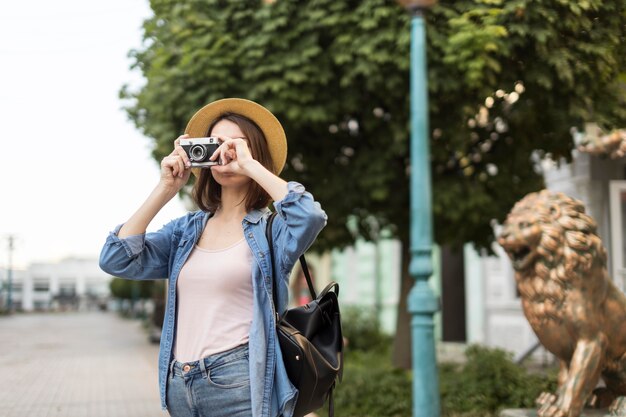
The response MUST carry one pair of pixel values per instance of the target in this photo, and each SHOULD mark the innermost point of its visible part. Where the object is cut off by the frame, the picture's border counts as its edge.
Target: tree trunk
(402, 341)
(453, 294)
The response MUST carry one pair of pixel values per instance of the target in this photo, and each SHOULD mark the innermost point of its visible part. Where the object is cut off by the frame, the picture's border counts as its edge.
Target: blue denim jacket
(161, 255)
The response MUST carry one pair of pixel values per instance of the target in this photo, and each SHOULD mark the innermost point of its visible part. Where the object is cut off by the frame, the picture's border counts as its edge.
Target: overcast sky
(72, 166)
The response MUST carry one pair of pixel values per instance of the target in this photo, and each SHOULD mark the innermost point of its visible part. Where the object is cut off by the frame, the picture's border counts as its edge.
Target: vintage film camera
(199, 150)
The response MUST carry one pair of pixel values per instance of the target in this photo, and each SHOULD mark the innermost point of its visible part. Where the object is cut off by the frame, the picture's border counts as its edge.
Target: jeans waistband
(202, 365)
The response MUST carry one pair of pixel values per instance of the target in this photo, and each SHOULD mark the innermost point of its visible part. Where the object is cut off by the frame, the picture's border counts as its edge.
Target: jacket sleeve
(139, 257)
(302, 220)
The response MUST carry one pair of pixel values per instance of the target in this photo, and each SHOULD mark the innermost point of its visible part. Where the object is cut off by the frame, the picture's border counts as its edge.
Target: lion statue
(571, 303)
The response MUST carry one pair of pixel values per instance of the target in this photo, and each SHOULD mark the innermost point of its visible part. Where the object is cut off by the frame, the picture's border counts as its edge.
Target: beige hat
(267, 122)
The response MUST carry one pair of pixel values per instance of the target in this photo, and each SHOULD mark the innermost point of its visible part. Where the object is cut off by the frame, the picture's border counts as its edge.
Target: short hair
(207, 193)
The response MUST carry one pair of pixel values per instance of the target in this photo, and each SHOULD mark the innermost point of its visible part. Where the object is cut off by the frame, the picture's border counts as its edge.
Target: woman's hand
(175, 168)
(234, 156)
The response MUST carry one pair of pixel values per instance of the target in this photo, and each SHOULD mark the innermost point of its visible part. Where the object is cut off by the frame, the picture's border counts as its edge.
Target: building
(71, 284)
(368, 274)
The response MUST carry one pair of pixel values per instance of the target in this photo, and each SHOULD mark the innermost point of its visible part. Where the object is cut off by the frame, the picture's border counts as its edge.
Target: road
(77, 365)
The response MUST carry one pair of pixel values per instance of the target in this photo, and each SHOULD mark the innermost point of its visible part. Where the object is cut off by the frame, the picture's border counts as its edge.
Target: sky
(72, 165)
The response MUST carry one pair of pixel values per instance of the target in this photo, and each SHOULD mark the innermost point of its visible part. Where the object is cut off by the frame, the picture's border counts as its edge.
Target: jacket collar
(255, 215)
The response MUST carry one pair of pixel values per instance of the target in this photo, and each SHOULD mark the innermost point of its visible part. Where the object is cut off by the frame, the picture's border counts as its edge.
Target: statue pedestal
(526, 412)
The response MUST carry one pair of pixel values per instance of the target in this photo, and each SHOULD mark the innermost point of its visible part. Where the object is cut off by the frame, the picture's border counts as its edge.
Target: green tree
(507, 79)
(135, 292)
(131, 290)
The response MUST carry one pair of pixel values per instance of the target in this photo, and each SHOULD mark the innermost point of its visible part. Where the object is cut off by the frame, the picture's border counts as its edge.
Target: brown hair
(207, 193)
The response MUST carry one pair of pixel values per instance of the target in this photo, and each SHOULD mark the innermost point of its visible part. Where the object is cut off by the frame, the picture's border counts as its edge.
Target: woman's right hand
(175, 168)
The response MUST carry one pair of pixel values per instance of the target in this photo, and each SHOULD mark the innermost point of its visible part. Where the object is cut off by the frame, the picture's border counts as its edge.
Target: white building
(73, 283)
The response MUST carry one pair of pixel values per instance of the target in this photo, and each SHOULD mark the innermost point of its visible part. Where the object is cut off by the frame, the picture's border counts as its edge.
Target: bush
(490, 381)
(362, 331)
(371, 387)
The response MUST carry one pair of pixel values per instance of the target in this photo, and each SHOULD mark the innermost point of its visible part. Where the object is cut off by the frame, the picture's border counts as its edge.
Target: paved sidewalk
(77, 365)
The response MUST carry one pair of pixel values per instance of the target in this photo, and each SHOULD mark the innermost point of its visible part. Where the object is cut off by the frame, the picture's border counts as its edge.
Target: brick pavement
(77, 365)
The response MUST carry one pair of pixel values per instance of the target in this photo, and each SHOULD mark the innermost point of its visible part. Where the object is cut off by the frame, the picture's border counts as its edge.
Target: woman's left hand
(234, 156)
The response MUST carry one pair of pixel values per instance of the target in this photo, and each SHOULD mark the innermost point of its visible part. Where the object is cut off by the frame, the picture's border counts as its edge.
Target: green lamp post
(422, 302)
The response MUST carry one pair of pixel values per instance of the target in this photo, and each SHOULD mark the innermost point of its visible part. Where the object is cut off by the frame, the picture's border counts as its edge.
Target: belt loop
(203, 367)
(172, 367)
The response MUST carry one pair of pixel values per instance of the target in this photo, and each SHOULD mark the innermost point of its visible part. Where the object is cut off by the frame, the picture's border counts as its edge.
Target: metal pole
(10, 274)
(422, 302)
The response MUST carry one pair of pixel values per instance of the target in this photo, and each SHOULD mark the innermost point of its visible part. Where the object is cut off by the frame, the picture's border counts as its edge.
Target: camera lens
(197, 153)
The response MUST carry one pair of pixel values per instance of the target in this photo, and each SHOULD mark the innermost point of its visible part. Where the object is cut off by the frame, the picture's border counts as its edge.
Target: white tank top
(214, 301)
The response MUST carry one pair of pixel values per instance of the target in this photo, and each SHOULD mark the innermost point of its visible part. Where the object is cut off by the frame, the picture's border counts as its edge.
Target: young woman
(219, 355)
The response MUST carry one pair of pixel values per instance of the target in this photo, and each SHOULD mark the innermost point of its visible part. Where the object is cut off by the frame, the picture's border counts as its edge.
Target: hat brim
(198, 125)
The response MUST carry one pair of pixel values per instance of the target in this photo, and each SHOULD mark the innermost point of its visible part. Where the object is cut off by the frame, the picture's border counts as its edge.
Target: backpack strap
(270, 241)
(303, 264)
(307, 275)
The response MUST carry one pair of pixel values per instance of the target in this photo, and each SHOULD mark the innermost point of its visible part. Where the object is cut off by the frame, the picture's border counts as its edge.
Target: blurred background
(524, 95)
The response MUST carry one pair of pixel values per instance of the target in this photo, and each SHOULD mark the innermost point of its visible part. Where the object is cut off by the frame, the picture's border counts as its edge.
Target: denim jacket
(161, 255)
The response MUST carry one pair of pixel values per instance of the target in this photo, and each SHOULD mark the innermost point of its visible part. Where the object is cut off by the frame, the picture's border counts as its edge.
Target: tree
(129, 289)
(132, 291)
(508, 80)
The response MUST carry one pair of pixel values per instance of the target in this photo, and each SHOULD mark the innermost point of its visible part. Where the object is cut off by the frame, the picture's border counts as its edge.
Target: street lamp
(422, 302)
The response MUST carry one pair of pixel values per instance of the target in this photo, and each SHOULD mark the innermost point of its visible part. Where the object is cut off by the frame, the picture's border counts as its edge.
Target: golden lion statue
(569, 300)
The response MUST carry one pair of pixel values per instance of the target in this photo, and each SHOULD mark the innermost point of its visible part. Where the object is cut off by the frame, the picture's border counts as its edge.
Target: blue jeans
(215, 386)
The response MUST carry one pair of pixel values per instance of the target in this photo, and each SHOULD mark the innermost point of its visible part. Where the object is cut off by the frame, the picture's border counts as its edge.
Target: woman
(219, 355)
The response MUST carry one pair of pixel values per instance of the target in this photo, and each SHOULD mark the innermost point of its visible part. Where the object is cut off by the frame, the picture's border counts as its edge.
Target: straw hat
(198, 125)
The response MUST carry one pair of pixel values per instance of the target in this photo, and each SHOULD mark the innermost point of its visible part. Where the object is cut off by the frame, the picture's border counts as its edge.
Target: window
(67, 289)
(41, 285)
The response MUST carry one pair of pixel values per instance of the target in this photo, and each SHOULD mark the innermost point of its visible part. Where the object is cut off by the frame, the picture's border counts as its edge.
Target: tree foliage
(131, 290)
(507, 80)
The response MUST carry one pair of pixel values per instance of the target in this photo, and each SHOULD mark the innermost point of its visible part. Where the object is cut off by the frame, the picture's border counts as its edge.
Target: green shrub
(371, 387)
(362, 330)
(490, 381)
(487, 383)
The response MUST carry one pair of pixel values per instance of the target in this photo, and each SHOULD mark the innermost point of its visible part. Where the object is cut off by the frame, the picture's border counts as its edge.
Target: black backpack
(311, 342)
